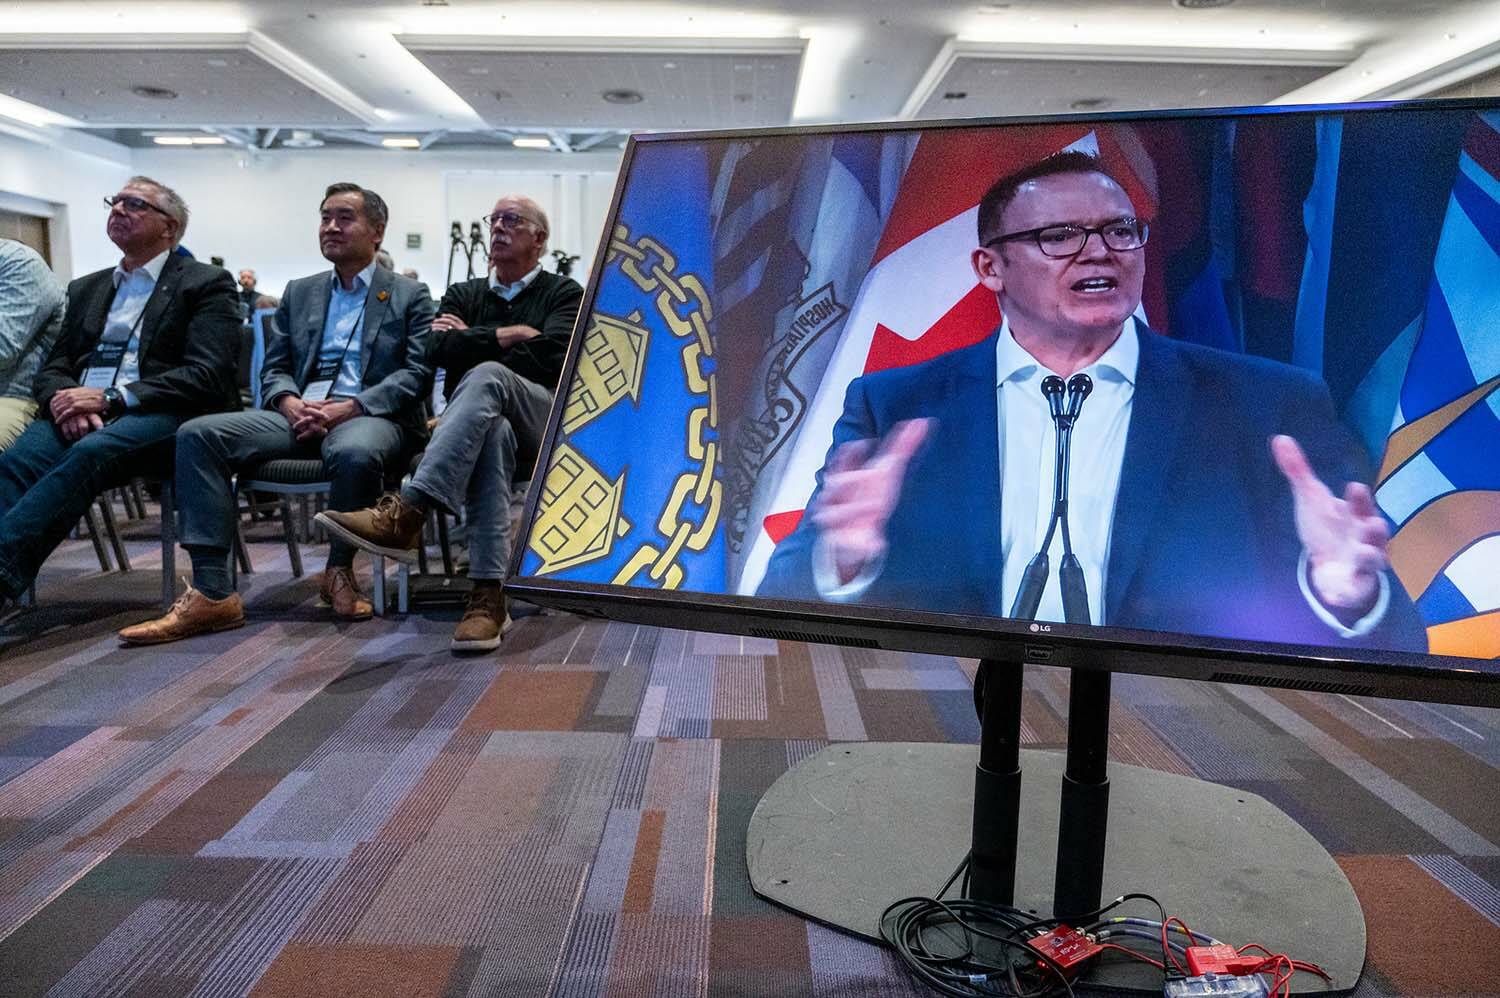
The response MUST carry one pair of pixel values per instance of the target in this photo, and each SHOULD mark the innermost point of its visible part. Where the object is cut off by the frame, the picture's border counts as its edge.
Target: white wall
(64, 179)
(260, 210)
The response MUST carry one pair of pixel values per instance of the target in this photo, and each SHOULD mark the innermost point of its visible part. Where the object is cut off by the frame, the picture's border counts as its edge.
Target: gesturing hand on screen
(860, 490)
(1345, 539)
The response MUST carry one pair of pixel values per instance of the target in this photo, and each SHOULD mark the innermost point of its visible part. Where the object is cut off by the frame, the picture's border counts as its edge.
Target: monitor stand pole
(1083, 815)
(997, 783)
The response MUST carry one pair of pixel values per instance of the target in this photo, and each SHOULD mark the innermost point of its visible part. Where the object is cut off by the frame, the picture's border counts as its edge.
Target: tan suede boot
(342, 593)
(485, 621)
(390, 527)
(192, 614)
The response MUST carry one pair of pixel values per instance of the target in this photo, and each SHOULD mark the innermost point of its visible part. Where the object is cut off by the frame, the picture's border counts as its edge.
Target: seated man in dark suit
(344, 378)
(1180, 521)
(144, 346)
(501, 339)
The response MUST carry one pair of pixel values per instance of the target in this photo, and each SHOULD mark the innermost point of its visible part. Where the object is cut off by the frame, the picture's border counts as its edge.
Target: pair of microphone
(1075, 596)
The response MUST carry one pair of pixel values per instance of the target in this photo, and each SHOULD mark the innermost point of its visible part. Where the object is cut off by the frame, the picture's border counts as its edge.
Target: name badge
(100, 377)
(322, 381)
(104, 365)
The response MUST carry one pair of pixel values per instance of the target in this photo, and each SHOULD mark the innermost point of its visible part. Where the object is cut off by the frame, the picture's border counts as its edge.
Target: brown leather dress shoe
(192, 614)
(342, 592)
(486, 619)
(390, 527)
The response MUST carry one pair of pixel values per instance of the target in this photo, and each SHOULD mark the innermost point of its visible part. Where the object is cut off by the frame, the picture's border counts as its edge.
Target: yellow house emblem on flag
(609, 368)
(578, 519)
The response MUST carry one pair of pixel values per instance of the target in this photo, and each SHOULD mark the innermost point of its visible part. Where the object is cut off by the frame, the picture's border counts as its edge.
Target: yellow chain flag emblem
(579, 517)
(609, 368)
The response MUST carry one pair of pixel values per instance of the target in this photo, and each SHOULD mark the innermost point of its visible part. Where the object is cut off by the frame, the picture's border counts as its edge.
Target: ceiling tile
(536, 87)
(214, 86)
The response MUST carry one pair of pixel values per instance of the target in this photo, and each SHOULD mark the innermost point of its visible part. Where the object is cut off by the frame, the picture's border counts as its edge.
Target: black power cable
(967, 948)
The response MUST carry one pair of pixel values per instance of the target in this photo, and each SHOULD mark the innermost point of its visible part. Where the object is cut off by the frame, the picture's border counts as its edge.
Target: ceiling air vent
(301, 139)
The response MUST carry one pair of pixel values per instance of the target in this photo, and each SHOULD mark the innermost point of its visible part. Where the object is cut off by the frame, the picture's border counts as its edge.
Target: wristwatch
(114, 403)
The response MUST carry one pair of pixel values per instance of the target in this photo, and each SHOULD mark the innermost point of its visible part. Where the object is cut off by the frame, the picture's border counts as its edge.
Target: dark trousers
(47, 483)
(357, 455)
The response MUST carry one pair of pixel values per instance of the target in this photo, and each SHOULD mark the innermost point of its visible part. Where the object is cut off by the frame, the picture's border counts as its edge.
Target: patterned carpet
(299, 809)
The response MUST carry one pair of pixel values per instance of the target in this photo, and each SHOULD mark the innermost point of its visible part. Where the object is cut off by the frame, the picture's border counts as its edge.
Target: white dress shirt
(133, 288)
(1028, 451)
(509, 291)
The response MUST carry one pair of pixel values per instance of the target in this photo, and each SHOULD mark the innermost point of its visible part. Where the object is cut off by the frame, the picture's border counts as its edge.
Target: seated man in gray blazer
(344, 378)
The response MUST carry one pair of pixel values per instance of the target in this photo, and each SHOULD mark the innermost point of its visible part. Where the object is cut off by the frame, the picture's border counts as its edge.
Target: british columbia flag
(1440, 480)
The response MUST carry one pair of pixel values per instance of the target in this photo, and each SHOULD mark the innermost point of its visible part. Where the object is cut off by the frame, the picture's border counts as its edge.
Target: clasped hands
(312, 420)
(77, 412)
(1345, 538)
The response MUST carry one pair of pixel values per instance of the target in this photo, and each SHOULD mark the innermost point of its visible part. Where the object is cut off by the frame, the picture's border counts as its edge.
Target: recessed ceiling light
(478, 71)
(622, 96)
(401, 143)
(173, 140)
(669, 65)
(1202, 4)
(993, 8)
(531, 142)
(1089, 103)
(208, 140)
(956, 95)
(154, 93)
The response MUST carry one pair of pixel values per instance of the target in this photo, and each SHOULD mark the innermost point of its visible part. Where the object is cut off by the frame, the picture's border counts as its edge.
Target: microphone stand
(456, 245)
(1070, 571)
(476, 245)
(1075, 593)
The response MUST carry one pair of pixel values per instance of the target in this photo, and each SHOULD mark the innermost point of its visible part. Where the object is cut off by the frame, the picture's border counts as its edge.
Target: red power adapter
(1067, 946)
(1221, 959)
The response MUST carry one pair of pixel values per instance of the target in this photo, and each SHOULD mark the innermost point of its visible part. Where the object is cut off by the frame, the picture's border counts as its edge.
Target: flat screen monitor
(829, 384)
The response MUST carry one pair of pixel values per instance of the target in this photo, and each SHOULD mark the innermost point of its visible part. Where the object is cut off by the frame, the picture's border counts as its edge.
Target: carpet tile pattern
(303, 809)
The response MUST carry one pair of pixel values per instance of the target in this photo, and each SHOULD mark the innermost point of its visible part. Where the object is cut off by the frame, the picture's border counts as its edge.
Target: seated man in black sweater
(501, 339)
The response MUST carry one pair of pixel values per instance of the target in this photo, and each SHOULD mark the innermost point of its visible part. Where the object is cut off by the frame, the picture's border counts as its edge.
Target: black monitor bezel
(1432, 678)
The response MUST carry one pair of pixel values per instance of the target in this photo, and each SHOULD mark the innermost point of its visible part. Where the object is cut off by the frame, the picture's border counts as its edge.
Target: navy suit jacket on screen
(1203, 541)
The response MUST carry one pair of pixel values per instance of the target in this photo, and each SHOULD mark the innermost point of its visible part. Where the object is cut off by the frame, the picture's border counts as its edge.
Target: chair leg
(403, 587)
(443, 544)
(377, 586)
(427, 531)
(137, 494)
(168, 543)
(100, 551)
(107, 511)
(241, 552)
(304, 516)
(289, 527)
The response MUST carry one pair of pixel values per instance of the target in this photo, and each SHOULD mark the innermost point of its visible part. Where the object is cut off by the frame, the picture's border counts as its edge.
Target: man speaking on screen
(1196, 480)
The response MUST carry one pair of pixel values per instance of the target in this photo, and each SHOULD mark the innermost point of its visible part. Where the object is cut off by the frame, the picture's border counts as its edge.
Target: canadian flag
(920, 297)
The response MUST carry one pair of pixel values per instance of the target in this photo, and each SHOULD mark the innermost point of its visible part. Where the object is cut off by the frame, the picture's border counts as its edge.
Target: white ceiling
(367, 69)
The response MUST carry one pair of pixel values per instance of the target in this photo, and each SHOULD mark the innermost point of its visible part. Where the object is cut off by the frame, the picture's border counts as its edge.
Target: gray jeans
(494, 420)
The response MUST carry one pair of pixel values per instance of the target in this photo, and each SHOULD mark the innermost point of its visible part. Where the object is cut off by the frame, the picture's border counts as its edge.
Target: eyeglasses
(1061, 241)
(506, 220)
(134, 205)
